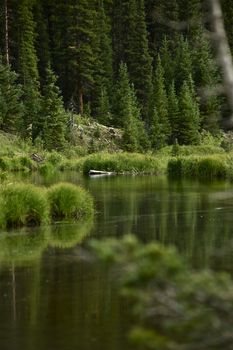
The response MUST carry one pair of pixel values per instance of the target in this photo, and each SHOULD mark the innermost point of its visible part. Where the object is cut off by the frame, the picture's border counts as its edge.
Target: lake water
(55, 296)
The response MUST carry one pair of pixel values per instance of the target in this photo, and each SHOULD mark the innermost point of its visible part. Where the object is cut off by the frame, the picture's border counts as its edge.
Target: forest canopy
(145, 66)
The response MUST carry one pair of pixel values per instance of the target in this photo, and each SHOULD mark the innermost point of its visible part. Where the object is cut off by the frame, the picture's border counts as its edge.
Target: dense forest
(145, 66)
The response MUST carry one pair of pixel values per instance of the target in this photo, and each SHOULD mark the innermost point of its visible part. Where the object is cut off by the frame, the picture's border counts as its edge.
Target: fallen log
(100, 172)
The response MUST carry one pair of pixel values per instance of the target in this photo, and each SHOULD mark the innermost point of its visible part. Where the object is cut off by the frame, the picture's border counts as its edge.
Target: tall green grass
(122, 163)
(23, 205)
(28, 205)
(210, 167)
(68, 201)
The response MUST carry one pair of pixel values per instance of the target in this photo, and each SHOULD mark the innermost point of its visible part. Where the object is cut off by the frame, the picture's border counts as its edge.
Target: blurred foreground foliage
(174, 307)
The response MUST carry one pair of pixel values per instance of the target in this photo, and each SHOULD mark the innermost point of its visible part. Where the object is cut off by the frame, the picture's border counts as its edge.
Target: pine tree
(11, 108)
(121, 107)
(81, 59)
(127, 113)
(206, 78)
(159, 101)
(42, 38)
(167, 61)
(27, 65)
(52, 122)
(173, 112)
(130, 42)
(139, 60)
(189, 121)
(183, 64)
(104, 110)
(157, 137)
(103, 70)
(162, 20)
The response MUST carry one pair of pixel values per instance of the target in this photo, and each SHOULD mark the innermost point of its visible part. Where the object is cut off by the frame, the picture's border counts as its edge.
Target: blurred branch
(223, 51)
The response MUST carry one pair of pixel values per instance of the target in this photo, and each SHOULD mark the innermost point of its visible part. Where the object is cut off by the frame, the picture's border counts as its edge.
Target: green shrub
(23, 204)
(68, 201)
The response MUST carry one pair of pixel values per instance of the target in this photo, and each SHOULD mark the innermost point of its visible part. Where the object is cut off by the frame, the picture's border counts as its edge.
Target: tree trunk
(80, 98)
(6, 32)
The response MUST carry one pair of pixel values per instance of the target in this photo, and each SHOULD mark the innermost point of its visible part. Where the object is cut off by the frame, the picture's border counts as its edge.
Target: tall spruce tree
(189, 120)
(27, 65)
(159, 101)
(157, 136)
(81, 59)
(206, 77)
(173, 112)
(139, 60)
(183, 62)
(42, 38)
(167, 61)
(11, 107)
(127, 113)
(162, 20)
(103, 68)
(52, 123)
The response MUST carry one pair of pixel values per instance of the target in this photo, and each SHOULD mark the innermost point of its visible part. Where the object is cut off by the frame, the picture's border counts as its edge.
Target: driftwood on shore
(100, 172)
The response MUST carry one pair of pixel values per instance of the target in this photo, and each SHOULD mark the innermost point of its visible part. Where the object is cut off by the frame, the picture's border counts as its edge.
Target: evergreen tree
(206, 78)
(103, 70)
(139, 60)
(122, 97)
(157, 136)
(189, 121)
(104, 110)
(131, 46)
(42, 38)
(159, 101)
(27, 65)
(52, 122)
(173, 112)
(11, 108)
(183, 64)
(127, 112)
(162, 20)
(81, 58)
(167, 61)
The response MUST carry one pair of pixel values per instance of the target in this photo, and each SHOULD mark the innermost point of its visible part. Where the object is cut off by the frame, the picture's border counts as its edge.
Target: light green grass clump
(121, 163)
(210, 167)
(23, 205)
(68, 201)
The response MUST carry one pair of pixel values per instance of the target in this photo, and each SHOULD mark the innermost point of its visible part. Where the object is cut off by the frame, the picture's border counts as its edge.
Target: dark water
(55, 296)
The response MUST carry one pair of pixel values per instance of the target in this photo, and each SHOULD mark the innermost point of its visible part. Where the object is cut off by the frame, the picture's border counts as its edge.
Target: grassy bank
(209, 160)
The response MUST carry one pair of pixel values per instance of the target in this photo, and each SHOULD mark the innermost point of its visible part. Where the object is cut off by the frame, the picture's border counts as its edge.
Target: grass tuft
(68, 201)
(23, 205)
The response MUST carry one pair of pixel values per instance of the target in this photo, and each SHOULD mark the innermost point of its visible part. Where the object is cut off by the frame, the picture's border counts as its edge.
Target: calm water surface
(55, 296)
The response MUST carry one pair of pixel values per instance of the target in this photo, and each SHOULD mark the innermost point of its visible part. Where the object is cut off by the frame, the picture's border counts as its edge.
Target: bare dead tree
(223, 52)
